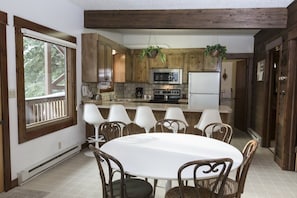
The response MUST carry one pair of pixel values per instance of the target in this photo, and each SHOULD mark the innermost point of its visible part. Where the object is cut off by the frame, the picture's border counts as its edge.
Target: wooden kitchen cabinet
(175, 60)
(140, 69)
(156, 63)
(99, 64)
(128, 66)
(194, 61)
(105, 65)
(97, 60)
(119, 67)
(90, 57)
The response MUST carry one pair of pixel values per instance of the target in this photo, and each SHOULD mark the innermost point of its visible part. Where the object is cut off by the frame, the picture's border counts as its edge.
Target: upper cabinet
(140, 67)
(105, 62)
(102, 59)
(194, 60)
(90, 70)
(105, 66)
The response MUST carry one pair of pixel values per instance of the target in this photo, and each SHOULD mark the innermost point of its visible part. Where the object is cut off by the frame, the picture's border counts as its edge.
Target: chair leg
(98, 137)
(155, 186)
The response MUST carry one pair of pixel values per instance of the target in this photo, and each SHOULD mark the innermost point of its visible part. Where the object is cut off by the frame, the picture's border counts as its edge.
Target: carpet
(23, 193)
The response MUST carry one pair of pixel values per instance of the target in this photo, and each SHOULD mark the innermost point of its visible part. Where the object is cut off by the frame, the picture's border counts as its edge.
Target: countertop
(133, 103)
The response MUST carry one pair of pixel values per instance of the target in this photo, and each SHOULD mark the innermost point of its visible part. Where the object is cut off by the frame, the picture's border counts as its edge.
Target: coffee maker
(139, 92)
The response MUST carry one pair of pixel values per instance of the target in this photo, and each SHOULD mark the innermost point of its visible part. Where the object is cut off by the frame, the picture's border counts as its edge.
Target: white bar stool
(117, 112)
(145, 118)
(93, 117)
(208, 116)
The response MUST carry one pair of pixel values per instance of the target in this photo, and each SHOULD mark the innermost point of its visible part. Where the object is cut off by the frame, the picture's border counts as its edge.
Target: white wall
(234, 43)
(66, 17)
(62, 16)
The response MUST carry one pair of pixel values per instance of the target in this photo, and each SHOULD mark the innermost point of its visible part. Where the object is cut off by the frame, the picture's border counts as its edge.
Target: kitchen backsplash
(127, 90)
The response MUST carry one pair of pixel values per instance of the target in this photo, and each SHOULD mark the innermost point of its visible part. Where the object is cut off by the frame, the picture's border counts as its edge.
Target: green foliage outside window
(35, 67)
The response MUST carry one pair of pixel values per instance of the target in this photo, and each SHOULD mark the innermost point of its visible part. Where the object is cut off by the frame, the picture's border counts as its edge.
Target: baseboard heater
(255, 135)
(36, 169)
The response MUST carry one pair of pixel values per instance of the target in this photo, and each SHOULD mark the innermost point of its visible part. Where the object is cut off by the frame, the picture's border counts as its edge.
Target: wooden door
(240, 106)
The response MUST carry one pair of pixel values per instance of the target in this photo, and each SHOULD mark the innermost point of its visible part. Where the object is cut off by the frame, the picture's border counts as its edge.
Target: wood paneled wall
(285, 135)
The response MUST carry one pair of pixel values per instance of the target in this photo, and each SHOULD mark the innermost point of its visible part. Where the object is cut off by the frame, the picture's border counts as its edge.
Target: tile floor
(77, 177)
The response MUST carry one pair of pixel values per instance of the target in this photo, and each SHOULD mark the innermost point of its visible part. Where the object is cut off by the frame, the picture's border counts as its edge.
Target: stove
(166, 96)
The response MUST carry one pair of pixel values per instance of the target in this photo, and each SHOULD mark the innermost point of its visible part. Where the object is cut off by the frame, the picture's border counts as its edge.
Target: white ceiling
(179, 4)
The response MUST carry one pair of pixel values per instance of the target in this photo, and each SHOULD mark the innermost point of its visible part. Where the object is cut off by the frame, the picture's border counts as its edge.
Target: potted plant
(152, 52)
(216, 50)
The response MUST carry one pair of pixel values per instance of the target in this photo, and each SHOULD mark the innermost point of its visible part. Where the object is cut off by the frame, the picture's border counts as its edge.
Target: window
(45, 79)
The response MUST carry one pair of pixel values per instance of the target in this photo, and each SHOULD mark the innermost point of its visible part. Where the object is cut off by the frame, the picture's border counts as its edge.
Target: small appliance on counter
(139, 92)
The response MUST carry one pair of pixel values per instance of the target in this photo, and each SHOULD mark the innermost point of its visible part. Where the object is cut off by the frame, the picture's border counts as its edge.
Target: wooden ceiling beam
(243, 18)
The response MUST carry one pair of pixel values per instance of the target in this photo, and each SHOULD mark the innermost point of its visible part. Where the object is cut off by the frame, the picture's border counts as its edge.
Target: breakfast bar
(192, 115)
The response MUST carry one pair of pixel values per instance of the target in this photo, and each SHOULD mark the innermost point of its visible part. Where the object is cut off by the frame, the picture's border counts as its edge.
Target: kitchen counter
(192, 115)
(132, 104)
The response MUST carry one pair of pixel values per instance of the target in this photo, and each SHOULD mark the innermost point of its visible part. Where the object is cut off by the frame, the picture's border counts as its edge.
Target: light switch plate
(11, 93)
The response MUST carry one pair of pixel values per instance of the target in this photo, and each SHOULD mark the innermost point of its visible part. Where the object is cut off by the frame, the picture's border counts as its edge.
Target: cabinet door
(194, 61)
(105, 66)
(212, 63)
(175, 60)
(128, 67)
(89, 58)
(119, 69)
(156, 62)
(101, 62)
(108, 63)
(140, 69)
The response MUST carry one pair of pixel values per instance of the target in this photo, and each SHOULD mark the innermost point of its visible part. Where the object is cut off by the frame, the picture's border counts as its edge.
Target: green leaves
(152, 52)
(216, 50)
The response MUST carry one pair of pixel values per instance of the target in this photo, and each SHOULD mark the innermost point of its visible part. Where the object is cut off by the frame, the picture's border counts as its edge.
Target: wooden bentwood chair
(123, 187)
(114, 129)
(218, 131)
(173, 125)
(219, 167)
(234, 187)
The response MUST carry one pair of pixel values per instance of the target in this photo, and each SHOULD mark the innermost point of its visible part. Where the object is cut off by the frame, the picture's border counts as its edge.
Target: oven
(166, 76)
(166, 96)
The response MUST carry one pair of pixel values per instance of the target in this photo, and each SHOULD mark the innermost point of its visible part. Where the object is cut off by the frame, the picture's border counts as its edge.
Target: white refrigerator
(204, 90)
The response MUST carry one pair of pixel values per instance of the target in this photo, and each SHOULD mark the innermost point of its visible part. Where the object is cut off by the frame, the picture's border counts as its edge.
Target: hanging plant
(153, 52)
(216, 50)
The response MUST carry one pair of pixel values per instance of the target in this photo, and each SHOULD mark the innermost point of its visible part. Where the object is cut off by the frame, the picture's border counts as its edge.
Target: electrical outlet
(59, 145)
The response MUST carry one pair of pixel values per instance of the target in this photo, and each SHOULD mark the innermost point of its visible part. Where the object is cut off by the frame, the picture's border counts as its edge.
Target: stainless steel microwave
(166, 76)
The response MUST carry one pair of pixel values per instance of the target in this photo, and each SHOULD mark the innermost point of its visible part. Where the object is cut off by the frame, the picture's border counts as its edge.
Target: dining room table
(160, 155)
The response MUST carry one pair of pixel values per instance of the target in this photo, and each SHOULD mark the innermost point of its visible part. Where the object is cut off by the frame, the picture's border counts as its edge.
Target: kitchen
(153, 81)
(73, 23)
(126, 68)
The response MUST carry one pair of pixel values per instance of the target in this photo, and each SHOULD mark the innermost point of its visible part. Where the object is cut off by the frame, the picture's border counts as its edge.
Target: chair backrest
(92, 114)
(106, 164)
(248, 153)
(218, 168)
(208, 116)
(117, 112)
(145, 118)
(219, 131)
(175, 113)
(171, 125)
(111, 130)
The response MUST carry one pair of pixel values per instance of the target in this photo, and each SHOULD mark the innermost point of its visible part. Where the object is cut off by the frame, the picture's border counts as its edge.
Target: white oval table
(159, 155)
